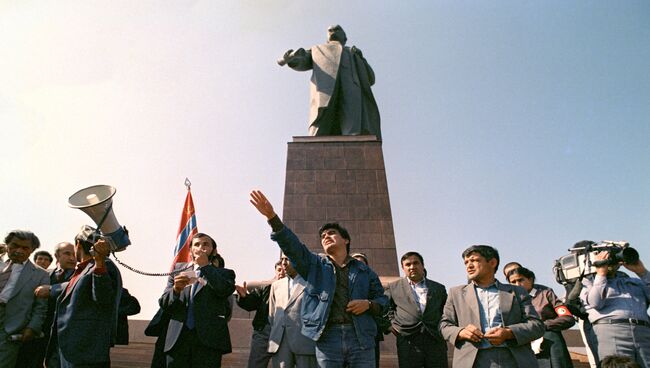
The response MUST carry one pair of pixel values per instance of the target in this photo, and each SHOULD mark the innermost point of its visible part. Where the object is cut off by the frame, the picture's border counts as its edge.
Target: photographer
(617, 307)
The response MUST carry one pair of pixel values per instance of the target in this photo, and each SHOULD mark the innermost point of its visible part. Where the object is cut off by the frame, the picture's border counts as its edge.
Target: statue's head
(336, 33)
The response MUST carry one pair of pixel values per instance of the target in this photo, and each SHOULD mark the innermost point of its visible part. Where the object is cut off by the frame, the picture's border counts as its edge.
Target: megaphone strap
(101, 222)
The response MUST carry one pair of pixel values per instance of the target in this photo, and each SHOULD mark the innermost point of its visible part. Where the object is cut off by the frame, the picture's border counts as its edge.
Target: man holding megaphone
(85, 321)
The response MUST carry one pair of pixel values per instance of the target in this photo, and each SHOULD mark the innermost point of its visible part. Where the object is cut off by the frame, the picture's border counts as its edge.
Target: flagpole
(186, 230)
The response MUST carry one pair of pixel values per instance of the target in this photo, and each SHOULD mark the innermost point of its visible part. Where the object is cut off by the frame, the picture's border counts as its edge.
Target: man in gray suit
(415, 308)
(21, 314)
(289, 346)
(490, 324)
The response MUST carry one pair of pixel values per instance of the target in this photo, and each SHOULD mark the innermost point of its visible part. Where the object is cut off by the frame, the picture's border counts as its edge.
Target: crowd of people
(66, 316)
(321, 310)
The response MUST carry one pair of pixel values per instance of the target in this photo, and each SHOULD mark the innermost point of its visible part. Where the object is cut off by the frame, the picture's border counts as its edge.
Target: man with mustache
(21, 314)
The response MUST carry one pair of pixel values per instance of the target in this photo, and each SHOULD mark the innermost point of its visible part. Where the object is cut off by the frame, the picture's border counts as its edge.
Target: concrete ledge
(241, 329)
(336, 138)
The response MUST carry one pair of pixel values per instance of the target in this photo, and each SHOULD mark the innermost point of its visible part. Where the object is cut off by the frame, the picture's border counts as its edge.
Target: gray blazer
(23, 309)
(284, 317)
(462, 309)
(404, 313)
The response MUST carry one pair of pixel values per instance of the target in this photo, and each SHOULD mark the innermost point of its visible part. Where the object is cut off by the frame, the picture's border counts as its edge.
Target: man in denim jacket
(341, 294)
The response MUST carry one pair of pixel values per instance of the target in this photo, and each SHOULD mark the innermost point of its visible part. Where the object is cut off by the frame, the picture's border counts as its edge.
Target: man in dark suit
(197, 334)
(129, 306)
(157, 327)
(85, 320)
(489, 323)
(32, 354)
(415, 308)
(21, 315)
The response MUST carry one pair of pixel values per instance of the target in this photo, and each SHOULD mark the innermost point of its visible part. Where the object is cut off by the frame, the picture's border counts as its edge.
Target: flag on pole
(186, 230)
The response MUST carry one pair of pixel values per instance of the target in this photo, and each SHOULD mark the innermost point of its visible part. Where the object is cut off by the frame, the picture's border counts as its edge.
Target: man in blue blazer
(85, 321)
(196, 300)
(21, 315)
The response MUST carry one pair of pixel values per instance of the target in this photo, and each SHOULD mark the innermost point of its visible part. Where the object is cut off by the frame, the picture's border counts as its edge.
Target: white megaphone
(96, 202)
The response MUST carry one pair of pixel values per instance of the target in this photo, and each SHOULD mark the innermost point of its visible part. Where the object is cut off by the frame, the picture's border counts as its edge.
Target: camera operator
(617, 307)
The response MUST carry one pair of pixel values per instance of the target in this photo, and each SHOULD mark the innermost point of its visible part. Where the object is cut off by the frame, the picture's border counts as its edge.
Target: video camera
(582, 260)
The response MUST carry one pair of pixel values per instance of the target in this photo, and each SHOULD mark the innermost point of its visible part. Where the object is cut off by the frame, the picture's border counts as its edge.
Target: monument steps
(138, 355)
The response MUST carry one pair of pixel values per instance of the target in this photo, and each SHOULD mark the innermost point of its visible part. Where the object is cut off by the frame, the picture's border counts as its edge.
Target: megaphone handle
(108, 209)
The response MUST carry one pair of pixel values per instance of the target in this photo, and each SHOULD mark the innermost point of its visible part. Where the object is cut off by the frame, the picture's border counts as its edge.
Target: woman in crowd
(553, 351)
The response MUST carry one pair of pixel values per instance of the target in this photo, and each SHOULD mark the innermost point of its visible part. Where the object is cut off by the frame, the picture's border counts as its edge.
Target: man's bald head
(64, 253)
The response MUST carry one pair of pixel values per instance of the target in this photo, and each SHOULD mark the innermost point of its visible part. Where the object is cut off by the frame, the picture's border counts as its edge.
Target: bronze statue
(342, 102)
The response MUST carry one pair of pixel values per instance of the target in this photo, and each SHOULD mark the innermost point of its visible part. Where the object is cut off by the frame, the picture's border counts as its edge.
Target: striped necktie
(4, 276)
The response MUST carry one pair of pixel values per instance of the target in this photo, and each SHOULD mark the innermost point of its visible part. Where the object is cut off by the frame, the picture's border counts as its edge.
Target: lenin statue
(341, 100)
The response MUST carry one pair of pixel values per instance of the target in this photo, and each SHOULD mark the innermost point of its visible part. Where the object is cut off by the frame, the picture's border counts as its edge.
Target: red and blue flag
(186, 230)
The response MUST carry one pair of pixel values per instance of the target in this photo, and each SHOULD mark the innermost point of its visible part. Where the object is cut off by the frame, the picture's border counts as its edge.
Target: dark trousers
(259, 356)
(66, 364)
(421, 350)
(377, 351)
(554, 352)
(32, 354)
(189, 352)
(159, 358)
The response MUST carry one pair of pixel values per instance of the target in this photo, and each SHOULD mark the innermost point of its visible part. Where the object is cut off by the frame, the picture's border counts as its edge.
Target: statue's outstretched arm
(299, 60)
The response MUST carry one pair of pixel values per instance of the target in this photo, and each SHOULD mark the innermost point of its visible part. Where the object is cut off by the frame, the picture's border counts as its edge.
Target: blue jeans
(339, 345)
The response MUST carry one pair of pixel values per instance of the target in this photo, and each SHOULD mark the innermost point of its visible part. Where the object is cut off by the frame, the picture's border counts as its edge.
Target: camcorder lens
(629, 255)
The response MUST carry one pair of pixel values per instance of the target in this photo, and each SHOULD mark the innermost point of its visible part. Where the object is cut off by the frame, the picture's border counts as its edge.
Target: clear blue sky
(521, 124)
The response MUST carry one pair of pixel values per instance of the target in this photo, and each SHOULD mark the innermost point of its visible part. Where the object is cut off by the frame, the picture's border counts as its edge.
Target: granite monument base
(341, 179)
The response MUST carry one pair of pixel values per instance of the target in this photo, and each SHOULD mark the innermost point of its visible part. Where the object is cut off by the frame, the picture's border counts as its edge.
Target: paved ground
(138, 355)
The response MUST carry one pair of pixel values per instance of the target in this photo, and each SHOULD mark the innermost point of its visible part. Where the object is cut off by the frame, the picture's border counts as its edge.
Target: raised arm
(299, 60)
(297, 252)
(259, 201)
(106, 277)
(593, 292)
(248, 301)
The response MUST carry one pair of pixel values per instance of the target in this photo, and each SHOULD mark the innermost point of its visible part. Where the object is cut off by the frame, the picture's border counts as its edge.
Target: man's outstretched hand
(258, 199)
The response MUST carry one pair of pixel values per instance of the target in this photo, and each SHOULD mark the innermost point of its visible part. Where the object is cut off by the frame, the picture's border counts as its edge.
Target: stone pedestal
(341, 179)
